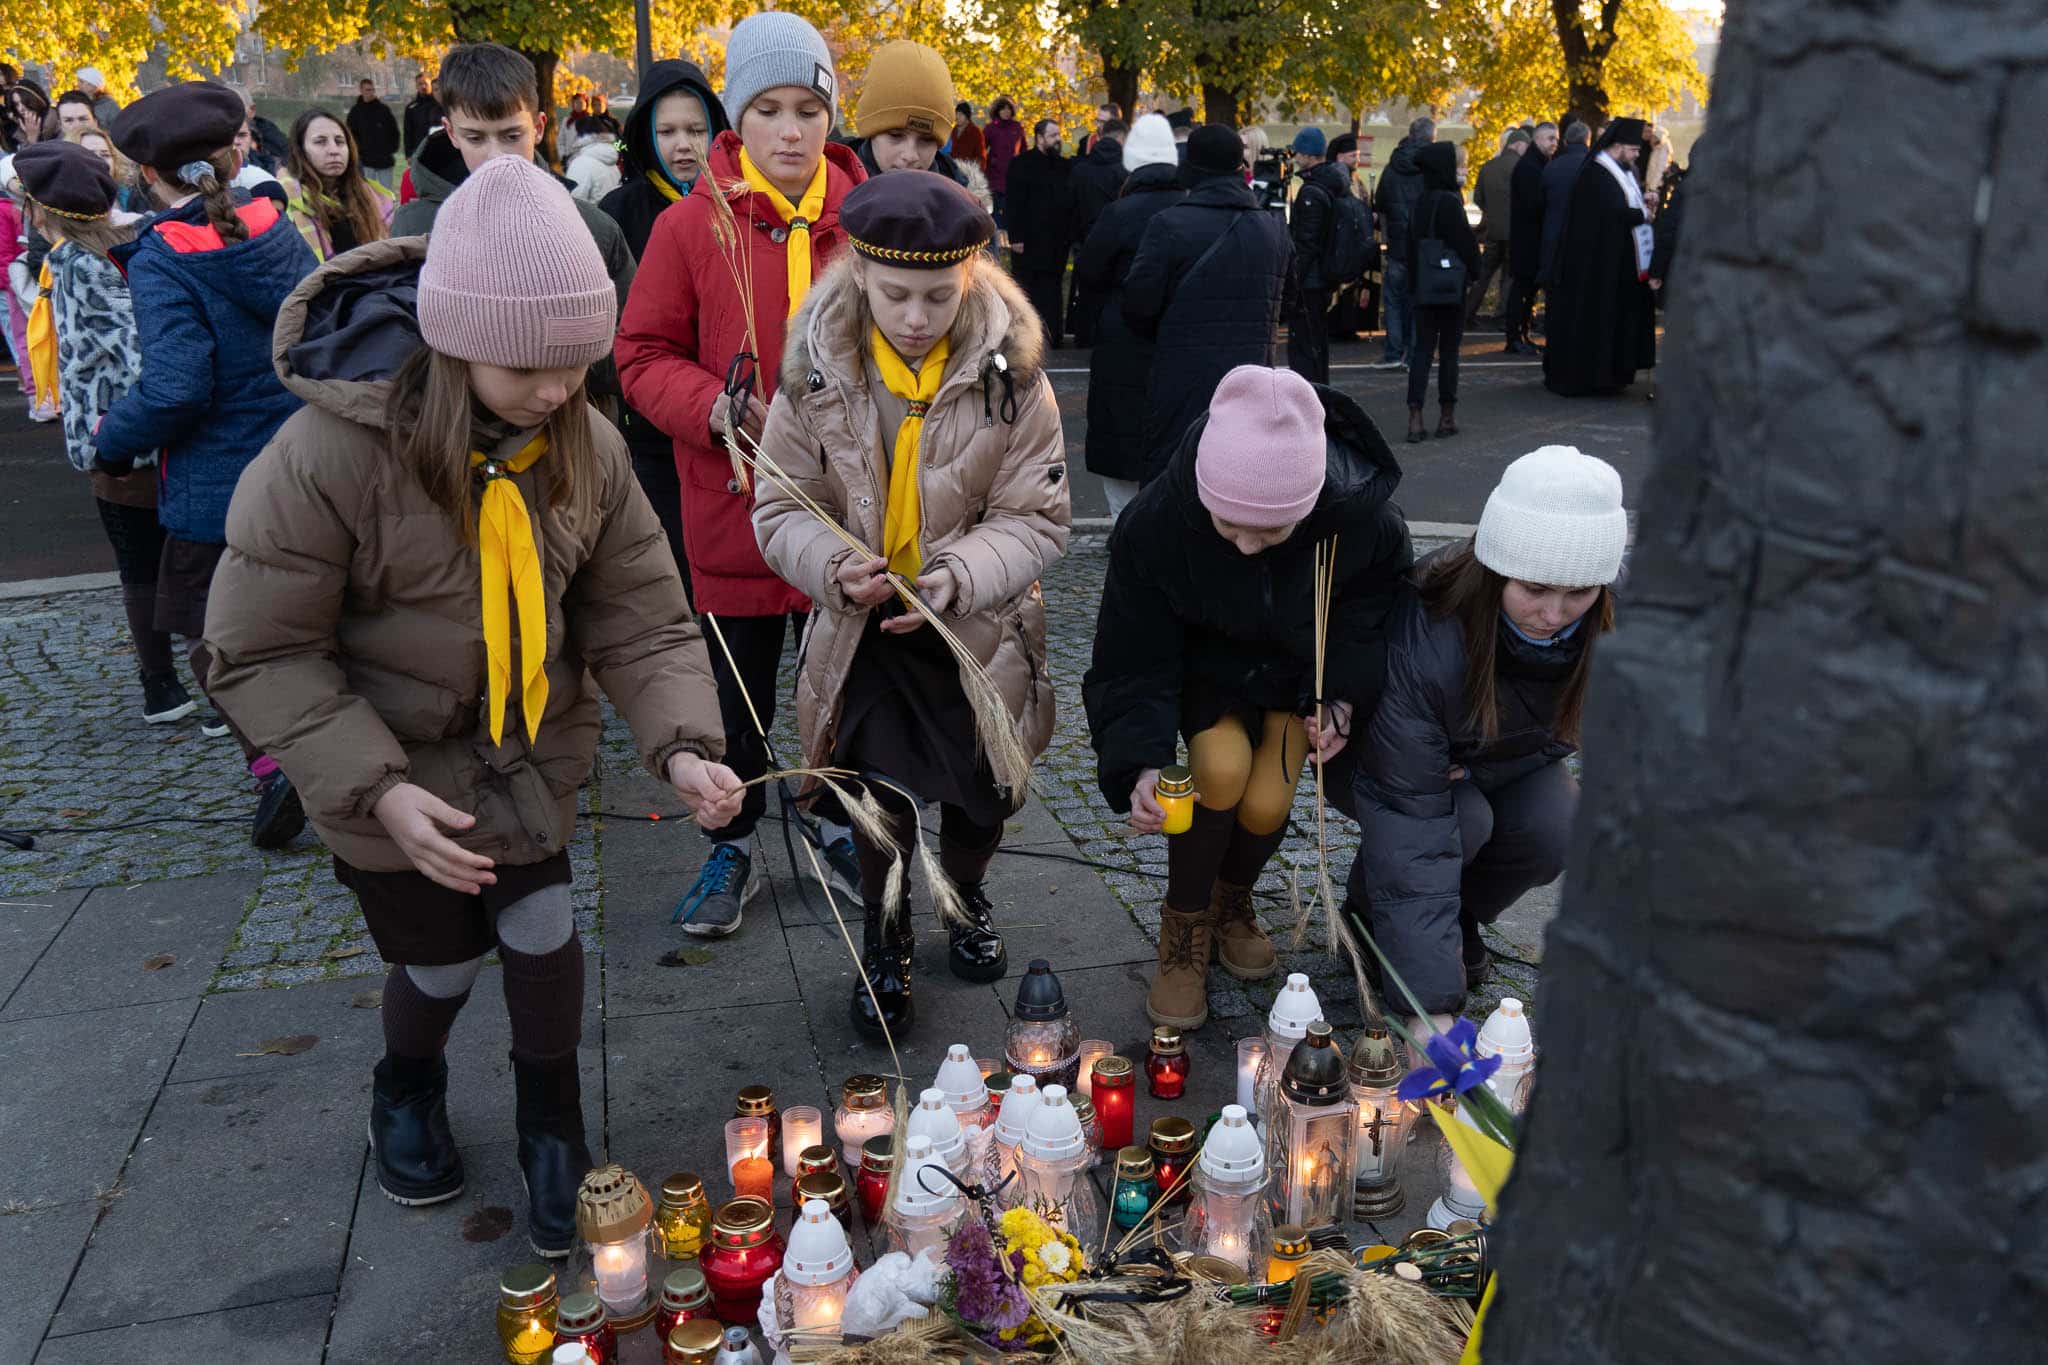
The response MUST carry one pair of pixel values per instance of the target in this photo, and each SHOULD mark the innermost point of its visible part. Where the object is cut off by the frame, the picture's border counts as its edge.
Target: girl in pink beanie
(423, 569)
(1207, 631)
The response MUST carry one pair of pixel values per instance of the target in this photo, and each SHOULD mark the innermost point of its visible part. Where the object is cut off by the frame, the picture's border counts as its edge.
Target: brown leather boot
(1179, 997)
(1239, 941)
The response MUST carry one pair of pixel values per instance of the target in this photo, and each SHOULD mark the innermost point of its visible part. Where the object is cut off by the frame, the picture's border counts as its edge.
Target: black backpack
(1439, 271)
(1347, 248)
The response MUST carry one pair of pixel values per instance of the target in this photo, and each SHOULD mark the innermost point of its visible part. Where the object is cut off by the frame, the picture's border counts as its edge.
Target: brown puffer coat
(344, 620)
(992, 491)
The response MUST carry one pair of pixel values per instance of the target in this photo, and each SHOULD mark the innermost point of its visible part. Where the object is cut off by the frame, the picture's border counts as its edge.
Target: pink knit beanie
(1261, 457)
(512, 275)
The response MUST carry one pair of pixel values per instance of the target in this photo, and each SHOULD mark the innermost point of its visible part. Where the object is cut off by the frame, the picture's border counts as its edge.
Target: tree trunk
(1792, 1106)
(544, 64)
(1585, 57)
(1120, 82)
(1219, 105)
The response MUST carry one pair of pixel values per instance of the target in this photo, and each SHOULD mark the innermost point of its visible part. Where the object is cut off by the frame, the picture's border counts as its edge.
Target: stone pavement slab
(105, 954)
(39, 1247)
(948, 1010)
(644, 973)
(286, 1332)
(28, 925)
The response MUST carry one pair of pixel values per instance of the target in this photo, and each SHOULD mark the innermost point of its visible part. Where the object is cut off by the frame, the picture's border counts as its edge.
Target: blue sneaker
(711, 907)
(842, 864)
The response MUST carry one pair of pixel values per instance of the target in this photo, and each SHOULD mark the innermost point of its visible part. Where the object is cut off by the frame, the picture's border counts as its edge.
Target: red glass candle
(1116, 1102)
(1172, 1141)
(1166, 1069)
(877, 1160)
(582, 1319)
(685, 1297)
(745, 1250)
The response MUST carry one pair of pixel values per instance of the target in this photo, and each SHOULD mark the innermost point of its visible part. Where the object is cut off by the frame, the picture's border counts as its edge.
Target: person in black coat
(1602, 324)
(423, 114)
(375, 129)
(1120, 366)
(1458, 782)
(1207, 286)
(1097, 180)
(1439, 216)
(1669, 225)
(1309, 225)
(1207, 631)
(1558, 178)
(1393, 203)
(1039, 217)
(1525, 238)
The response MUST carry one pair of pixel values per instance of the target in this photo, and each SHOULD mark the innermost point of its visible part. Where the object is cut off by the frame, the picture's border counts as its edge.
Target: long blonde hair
(429, 431)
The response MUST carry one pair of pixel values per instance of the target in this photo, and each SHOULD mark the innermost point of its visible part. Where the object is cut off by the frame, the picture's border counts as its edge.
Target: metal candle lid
(829, 1186)
(527, 1286)
(696, 1339)
(742, 1223)
(814, 1159)
(753, 1101)
(685, 1289)
(1375, 1061)
(879, 1154)
(1039, 996)
(1290, 1243)
(1172, 1136)
(1135, 1163)
(1315, 1070)
(1113, 1071)
(864, 1092)
(1166, 1042)
(1175, 781)
(579, 1313)
(684, 1187)
(612, 1205)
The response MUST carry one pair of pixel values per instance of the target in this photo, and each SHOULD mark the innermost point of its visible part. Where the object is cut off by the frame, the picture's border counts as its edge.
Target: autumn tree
(197, 38)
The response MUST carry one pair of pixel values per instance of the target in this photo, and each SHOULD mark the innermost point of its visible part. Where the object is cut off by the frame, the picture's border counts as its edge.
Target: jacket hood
(1331, 177)
(254, 274)
(665, 78)
(1360, 474)
(829, 334)
(349, 325)
(1106, 151)
(1402, 162)
(1438, 162)
(598, 147)
(1150, 177)
(1220, 191)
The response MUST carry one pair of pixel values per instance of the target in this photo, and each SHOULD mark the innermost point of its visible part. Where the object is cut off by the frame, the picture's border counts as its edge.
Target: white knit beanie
(1555, 519)
(773, 48)
(1150, 143)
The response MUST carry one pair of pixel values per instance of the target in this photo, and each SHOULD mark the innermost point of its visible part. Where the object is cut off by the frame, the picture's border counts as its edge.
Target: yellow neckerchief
(42, 342)
(800, 217)
(900, 527)
(511, 572)
(660, 182)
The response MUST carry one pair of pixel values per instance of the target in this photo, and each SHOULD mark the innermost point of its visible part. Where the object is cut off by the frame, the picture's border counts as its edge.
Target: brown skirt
(420, 923)
(182, 584)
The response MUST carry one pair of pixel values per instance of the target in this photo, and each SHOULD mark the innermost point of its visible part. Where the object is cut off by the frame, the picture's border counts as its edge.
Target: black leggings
(756, 645)
(138, 541)
(1436, 329)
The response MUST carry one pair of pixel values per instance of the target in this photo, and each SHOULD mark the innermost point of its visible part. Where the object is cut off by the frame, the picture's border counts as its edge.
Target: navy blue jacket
(208, 399)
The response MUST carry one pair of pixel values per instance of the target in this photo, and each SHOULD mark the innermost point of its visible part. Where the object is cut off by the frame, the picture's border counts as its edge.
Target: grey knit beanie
(776, 48)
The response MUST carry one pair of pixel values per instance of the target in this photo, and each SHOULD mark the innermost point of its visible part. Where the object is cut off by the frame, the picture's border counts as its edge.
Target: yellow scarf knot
(901, 525)
(511, 573)
(799, 216)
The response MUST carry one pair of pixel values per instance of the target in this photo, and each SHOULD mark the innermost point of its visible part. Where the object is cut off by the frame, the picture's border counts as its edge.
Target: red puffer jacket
(683, 325)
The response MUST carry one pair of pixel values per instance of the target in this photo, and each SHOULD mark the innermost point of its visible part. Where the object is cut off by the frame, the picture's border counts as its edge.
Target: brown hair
(429, 433)
(1458, 587)
(213, 191)
(347, 196)
(487, 81)
(97, 235)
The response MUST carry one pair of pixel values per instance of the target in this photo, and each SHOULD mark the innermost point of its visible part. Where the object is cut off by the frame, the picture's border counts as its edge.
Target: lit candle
(531, 1341)
(746, 1159)
(863, 1113)
(621, 1274)
(802, 1126)
(1250, 1052)
(1093, 1050)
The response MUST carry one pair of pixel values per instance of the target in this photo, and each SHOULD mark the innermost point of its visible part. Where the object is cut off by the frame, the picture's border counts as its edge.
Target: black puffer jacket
(1207, 312)
(1410, 850)
(1394, 199)
(1098, 178)
(1191, 630)
(1120, 366)
(1314, 218)
(636, 203)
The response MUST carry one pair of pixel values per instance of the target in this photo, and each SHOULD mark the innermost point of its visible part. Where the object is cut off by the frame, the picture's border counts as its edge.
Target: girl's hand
(414, 818)
(1147, 815)
(865, 581)
(1329, 730)
(751, 420)
(712, 791)
(938, 589)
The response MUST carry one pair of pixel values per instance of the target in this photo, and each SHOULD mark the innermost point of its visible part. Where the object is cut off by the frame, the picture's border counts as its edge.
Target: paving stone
(230, 1026)
(39, 1245)
(28, 925)
(751, 964)
(286, 1332)
(99, 958)
(276, 1159)
(78, 1088)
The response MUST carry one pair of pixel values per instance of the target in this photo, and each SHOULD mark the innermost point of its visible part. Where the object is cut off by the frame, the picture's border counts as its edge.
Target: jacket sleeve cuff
(394, 778)
(658, 761)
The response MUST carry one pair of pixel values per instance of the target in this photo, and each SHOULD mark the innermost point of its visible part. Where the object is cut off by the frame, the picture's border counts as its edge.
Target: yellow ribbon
(901, 525)
(42, 342)
(800, 216)
(1488, 1163)
(660, 182)
(511, 572)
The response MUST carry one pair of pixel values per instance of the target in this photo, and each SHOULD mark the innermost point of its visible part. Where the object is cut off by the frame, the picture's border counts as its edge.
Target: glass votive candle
(1172, 1141)
(811, 1160)
(1136, 1188)
(1250, 1053)
(988, 1066)
(802, 1126)
(682, 1220)
(1093, 1050)
(1116, 1102)
(758, 1102)
(997, 1085)
(877, 1163)
(1166, 1067)
(745, 1250)
(693, 1343)
(582, 1320)
(1290, 1249)
(684, 1296)
(527, 1304)
(746, 1159)
(863, 1113)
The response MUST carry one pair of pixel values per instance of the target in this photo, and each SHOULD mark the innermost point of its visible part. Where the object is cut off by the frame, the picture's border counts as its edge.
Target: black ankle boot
(415, 1153)
(886, 956)
(977, 952)
(552, 1154)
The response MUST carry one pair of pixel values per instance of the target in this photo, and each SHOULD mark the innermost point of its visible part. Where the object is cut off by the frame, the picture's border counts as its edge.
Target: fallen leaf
(487, 1224)
(158, 962)
(74, 813)
(290, 1045)
(686, 957)
(338, 954)
(366, 1000)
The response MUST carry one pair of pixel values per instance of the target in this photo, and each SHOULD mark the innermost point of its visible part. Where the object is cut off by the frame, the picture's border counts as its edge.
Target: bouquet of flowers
(987, 1285)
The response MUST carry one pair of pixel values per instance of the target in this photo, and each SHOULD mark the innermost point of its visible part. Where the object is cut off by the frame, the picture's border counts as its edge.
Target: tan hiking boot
(1180, 994)
(1240, 942)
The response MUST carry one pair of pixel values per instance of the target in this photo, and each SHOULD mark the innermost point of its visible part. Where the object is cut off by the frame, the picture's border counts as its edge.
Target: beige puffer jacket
(344, 619)
(992, 491)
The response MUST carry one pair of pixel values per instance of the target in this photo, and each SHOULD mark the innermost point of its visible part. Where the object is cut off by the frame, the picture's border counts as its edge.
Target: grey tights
(543, 978)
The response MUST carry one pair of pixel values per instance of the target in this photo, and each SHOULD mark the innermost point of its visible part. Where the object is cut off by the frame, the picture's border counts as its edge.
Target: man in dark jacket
(422, 114)
(1493, 195)
(1558, 178)
(371, 124)
(1394, 203)
(1098, 179)
(1309, 224)
(1525, 238)
(1120, 365)
(1208, 286)
(1041, 225)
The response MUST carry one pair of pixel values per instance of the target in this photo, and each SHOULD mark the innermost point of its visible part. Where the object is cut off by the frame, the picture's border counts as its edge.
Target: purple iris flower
(1452, 1069)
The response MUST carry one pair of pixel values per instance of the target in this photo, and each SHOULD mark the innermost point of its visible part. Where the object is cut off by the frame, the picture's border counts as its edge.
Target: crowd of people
(408, 469)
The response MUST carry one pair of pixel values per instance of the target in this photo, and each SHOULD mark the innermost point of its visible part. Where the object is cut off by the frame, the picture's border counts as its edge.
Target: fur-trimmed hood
(997, 326)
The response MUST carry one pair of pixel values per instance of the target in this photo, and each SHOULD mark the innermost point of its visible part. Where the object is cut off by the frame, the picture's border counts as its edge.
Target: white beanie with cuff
(1150, 143)
(1555, 519)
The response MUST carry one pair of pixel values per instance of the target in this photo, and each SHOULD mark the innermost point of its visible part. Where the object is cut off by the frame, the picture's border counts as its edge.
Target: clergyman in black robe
(1602, 317)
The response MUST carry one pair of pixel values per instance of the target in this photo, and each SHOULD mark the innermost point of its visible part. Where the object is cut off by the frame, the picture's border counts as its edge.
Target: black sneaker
(164, 699)
(279, 815)
(212, 723)
(711, 908)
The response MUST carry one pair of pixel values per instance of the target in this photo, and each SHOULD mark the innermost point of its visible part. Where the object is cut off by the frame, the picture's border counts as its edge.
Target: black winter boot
(886, 956)
(415, 1153)
(553, 1157)
(1474, 952)
(976, 951)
